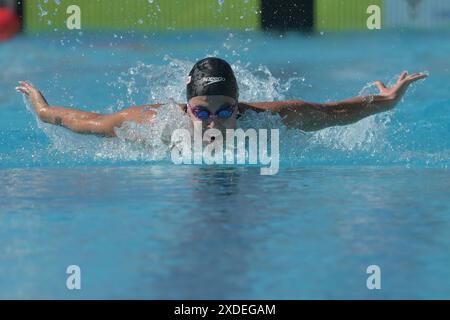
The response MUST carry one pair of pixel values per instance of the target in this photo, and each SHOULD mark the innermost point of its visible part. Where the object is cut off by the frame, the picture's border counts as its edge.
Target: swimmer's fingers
(381, 86)
(403, 76)
(416, 76)
(23, 89)
(406, 78)
(404, 81)
(26, 85)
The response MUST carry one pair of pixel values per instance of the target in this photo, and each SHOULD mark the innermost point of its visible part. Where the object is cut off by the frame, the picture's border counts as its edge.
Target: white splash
(150, 84)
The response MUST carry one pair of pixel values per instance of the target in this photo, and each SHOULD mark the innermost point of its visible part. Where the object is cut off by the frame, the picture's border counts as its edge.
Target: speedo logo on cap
(210, 80)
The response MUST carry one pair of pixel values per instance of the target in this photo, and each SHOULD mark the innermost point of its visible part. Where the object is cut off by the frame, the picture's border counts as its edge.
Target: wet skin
(303, 115)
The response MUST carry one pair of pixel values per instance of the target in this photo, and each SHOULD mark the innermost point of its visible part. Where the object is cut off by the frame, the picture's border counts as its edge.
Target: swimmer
(213, 101)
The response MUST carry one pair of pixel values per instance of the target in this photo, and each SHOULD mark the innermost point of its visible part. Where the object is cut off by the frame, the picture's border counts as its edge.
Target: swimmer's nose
(212, 125)
(216, 125)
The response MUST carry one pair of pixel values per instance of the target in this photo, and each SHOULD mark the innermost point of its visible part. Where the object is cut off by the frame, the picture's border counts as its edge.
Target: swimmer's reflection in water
(215, 245)
(213, 101)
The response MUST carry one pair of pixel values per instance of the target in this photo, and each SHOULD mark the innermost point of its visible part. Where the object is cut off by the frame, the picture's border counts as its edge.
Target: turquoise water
(376, 192)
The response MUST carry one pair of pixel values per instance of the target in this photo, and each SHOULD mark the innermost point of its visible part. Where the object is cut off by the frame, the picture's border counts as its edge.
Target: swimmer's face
(216, 106)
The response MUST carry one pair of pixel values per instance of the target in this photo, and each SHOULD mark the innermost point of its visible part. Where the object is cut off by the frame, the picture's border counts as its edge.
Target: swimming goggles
(203, 113)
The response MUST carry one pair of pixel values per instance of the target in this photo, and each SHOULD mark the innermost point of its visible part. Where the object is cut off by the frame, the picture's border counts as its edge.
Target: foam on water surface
(109, 78)
(367, 139)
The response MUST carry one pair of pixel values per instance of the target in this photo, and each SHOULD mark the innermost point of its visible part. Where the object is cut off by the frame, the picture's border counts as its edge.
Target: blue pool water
(373, 193)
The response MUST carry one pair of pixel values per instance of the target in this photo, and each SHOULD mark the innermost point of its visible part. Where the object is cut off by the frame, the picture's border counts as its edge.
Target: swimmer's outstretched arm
(81, 121)
(316, 116)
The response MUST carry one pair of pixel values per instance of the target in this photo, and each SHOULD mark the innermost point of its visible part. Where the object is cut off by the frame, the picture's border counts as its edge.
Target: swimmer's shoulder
(139, 114)
(154, 107)
(145, 113)
(274, 106)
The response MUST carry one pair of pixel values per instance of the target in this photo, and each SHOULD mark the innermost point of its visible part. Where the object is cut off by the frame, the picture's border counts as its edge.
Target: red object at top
(9, 23)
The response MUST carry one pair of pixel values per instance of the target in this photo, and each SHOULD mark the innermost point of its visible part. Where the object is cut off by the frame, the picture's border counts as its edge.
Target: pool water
(138, 226)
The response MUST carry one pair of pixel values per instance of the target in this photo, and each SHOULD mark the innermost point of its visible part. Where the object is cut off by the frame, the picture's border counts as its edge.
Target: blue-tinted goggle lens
(204, 114)
(225, 113)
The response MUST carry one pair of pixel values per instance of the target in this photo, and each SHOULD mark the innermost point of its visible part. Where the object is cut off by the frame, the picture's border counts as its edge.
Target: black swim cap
(211, 76)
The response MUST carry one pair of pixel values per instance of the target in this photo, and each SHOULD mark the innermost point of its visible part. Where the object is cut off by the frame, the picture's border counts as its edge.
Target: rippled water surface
(376, 192)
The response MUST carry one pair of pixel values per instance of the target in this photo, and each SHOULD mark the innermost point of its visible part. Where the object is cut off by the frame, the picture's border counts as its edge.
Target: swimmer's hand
(311, 116)
(83, 121)
(396, 92)
(37, 98)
